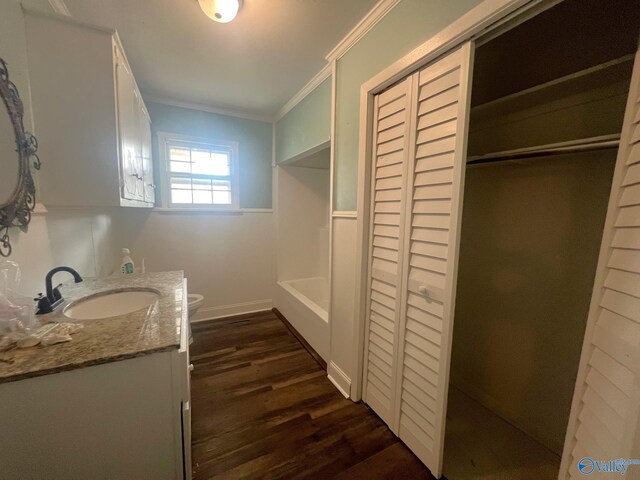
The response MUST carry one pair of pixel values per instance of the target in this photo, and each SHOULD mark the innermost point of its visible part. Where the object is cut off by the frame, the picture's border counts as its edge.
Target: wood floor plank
(263, 408)
(394, 462)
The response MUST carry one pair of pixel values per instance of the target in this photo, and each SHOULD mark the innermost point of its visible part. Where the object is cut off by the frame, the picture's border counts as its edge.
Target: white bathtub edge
(306, 301)
(313, 328)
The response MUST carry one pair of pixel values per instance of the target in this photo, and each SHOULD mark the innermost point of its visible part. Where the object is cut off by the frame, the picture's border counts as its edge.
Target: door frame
(479, 23)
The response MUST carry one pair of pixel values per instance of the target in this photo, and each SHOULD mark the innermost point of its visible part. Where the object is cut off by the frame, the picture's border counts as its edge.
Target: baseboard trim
(339, 379)
(213, 313)
(319, 360)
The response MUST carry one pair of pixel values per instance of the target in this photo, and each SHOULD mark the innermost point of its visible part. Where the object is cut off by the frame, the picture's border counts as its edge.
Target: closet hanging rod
(603, 142)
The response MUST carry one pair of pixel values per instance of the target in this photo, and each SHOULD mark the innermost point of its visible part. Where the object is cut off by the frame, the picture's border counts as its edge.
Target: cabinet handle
(151, 185)
(138, 177)
(191, 367)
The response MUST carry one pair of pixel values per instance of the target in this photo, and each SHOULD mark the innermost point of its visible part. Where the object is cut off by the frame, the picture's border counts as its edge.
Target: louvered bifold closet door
(434, 212)
(388, 184)
(604, 420)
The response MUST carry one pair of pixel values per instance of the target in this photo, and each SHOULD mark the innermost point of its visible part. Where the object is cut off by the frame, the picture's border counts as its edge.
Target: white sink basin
(111, 304)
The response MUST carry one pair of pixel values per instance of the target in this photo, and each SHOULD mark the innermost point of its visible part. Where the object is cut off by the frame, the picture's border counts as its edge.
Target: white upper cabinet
(93, 129)
(135, 136)
(128, 129)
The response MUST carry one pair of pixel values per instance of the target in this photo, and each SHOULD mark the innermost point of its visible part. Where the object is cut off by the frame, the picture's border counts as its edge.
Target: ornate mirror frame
(16, 212)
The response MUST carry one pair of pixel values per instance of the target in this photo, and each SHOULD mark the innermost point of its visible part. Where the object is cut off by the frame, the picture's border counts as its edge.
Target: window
(199, 173)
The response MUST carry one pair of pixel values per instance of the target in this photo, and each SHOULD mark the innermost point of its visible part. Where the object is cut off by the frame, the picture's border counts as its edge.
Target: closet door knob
(423, 291)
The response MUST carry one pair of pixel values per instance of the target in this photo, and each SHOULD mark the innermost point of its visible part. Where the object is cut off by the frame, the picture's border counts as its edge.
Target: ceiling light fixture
(222, 11)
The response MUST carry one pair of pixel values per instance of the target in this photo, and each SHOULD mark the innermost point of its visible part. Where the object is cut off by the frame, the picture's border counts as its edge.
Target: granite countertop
(146, 331)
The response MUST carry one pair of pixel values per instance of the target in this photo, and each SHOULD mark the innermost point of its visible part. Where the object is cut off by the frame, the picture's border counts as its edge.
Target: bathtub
(305, 304)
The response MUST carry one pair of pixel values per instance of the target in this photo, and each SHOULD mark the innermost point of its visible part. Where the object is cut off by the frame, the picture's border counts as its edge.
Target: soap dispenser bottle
(127, 262)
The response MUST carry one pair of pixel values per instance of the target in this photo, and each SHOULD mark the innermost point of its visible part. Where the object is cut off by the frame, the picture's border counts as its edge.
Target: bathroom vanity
(114, 402)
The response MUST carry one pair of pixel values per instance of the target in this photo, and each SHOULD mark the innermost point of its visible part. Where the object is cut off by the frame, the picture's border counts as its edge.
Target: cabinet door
(147, 161)
(604, 420)
(138, 110)
(127, 129)
(389, 172)
(433, 217)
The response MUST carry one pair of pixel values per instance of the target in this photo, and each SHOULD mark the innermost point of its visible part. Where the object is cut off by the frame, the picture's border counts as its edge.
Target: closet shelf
(559, 83)
(602, 142)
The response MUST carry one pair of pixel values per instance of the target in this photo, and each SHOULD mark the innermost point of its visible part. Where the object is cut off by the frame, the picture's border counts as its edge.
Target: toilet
(194, 301)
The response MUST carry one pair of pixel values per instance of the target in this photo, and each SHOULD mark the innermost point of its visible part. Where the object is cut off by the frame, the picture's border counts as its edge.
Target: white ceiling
(254, 64)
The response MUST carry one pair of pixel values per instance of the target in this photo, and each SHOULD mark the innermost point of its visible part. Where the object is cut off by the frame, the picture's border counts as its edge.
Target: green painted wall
(408, 25)
(307, 125)
(254, 139)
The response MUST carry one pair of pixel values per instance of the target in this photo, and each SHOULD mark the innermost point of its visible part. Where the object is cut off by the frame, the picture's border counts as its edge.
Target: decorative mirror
(17, 149)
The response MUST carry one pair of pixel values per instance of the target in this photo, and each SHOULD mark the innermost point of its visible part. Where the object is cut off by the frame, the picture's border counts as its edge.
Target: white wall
(81, 239)
(303, 222)
(226, 257)
(529, 246)
(342, 321)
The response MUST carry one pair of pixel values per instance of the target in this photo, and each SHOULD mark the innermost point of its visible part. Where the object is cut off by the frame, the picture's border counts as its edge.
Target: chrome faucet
(46, 304)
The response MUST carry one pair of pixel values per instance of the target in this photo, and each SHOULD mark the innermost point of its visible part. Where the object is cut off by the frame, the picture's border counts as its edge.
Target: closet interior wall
(530, 242)
(532, 228)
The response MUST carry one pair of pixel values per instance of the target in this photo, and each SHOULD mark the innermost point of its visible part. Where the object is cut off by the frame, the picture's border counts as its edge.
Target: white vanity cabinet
(124, 419)
(93, 128)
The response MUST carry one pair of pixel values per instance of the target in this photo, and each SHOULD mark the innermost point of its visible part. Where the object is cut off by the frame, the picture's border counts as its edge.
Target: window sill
(210, 211)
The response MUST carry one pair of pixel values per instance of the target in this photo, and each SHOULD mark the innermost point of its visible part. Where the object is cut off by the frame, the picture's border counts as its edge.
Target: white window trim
(165, 194)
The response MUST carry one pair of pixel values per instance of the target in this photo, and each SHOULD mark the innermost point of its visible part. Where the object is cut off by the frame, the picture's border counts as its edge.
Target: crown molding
(60, 7)
(367, 23)
(376, 14)
(319, 77)
(207, 108)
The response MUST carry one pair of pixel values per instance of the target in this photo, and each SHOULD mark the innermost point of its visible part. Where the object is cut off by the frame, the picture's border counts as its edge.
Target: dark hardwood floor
(263, 408)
